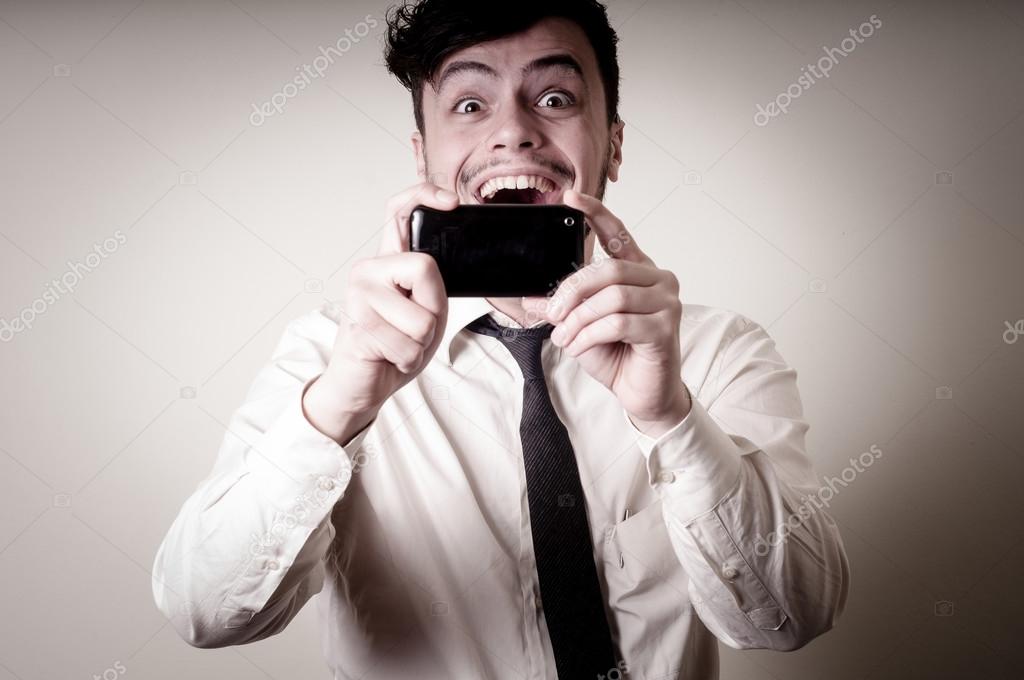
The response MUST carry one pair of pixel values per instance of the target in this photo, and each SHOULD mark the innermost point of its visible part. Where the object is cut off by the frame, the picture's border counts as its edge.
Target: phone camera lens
(569, 221)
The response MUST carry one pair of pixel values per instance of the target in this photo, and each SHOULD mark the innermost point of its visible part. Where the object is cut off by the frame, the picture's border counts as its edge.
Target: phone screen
(500, 250)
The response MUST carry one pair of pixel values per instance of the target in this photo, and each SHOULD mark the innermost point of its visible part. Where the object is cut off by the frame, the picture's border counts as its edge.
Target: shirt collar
(462, 310)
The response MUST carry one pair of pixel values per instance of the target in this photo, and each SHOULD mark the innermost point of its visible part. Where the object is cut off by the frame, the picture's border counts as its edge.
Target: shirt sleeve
(246, 550)
(740, 501)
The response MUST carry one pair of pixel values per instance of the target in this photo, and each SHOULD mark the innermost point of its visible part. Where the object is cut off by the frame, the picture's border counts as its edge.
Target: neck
(512, 307)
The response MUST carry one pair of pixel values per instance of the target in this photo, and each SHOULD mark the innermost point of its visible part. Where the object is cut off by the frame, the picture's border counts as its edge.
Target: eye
(557, 99)
(468, 102)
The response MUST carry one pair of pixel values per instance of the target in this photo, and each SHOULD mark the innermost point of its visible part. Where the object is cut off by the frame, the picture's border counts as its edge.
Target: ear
(418, 152)
(616, 152)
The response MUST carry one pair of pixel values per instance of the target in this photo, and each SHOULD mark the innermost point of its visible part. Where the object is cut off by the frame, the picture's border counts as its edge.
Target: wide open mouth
(524, 196)
(519, 189)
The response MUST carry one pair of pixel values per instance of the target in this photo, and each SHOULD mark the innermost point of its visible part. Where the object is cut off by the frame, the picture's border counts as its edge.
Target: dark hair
(422, 34)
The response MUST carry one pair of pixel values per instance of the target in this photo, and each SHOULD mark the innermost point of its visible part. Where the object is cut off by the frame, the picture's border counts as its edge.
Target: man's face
(517, 107)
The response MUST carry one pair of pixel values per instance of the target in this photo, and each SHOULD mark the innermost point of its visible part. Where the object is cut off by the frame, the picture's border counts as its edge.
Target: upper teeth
(541, 184)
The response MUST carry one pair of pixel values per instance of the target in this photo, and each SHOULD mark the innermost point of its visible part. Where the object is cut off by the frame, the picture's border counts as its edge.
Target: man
(473, 499)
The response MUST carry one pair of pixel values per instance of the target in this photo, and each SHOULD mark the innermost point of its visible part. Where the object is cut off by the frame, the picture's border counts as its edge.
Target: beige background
(886, 283)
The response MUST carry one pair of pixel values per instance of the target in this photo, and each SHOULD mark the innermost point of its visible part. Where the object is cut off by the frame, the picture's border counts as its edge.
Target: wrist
(327, 411)
(658, 424)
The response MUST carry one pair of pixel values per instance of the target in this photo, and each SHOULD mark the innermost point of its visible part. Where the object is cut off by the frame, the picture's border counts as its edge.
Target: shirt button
(730, 572)
(666, 477)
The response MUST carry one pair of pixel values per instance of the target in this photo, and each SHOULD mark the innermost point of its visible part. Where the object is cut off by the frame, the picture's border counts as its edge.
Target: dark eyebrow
(564, 62)
(463, 67)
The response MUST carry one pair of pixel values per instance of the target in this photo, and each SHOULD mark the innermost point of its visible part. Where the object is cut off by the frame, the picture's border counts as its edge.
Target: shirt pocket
(640, 550)
(648, 594)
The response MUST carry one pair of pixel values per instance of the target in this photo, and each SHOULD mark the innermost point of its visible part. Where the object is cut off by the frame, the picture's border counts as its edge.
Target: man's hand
(394, 316)
(619, 317)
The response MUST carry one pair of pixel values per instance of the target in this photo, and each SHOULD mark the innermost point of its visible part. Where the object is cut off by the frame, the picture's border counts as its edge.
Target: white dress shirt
(417, 533)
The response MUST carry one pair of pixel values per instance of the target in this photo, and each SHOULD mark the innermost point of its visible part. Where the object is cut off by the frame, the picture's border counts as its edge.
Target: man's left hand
(619, 317)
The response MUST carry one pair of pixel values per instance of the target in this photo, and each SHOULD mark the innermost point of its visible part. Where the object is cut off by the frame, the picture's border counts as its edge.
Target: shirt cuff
(695, 463)
(296, 465)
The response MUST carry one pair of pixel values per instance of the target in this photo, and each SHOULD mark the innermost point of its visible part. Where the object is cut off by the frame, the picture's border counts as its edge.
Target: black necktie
(569, 589)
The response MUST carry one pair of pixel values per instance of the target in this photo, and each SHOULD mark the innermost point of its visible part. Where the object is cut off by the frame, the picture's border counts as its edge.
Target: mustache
(554, 167)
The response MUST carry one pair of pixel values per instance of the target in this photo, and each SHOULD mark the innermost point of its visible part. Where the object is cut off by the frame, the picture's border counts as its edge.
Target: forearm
(731, 475)
(245, 551)
(218, 568)
(761, 575)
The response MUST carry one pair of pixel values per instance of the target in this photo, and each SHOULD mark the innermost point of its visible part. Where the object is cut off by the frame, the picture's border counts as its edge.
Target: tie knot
(523, 343)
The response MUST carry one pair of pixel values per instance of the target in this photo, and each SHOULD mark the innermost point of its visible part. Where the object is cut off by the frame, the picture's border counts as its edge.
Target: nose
(515, 129)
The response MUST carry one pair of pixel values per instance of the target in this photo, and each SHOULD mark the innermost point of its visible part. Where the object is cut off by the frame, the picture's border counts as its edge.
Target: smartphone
(500, 250)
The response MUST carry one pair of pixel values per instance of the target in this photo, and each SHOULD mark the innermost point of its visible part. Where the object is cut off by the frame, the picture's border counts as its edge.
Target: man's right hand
(394, 316)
